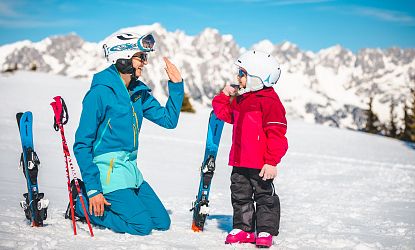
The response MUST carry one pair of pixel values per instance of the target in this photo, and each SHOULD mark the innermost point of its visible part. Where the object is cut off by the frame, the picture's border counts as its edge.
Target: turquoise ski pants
(133, 211)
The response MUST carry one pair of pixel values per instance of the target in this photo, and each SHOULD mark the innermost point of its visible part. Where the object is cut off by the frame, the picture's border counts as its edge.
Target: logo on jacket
(136, 98)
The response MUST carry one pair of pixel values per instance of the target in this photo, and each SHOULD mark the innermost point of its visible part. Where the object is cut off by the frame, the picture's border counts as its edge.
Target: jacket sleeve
(275, 127)
(91, 116)
(221, 105)
(168, 116)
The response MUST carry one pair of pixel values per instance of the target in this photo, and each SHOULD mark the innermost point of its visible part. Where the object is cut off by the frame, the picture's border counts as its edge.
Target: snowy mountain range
(331, 86)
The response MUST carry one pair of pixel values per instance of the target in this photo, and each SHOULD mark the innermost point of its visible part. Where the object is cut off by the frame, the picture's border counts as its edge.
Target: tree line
(407, 132)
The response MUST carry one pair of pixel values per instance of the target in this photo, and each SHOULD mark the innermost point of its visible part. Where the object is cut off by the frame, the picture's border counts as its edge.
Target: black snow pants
(255, 204)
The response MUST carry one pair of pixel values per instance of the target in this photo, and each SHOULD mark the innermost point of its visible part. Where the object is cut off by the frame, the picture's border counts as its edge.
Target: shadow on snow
(224, 221)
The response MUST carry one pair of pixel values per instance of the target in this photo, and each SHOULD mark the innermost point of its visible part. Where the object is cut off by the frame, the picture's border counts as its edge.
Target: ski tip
(18, 117)
(196, 228)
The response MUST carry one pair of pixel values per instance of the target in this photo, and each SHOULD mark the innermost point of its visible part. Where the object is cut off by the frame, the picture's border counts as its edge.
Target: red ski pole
(61, 112)
(70, 196)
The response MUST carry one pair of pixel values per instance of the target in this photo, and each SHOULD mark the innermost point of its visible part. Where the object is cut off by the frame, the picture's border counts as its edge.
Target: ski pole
(61, 112)
(78, 188)
(70, 196)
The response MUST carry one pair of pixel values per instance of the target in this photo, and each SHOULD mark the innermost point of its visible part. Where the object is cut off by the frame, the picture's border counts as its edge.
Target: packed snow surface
(339, 189)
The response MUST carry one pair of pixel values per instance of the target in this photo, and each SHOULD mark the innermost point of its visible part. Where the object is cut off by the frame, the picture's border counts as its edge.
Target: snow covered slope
(339, 189)
(330, 86)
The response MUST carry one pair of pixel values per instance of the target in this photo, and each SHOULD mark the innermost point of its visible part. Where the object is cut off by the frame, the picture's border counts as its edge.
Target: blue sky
(311, 24)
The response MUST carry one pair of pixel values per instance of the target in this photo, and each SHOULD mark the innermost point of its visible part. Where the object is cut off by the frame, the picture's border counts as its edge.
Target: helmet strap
(252, 84)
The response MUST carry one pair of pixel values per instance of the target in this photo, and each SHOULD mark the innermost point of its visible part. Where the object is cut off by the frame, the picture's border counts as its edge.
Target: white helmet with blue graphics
(262, 70)
(120, 48)
(125, 45)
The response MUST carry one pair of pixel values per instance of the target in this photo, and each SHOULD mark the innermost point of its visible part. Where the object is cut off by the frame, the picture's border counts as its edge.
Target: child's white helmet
(125, 45)
(262, 68)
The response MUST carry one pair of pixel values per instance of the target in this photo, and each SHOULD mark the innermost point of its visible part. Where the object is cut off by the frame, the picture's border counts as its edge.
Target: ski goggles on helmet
(242, 72)
(142, 56)
(146, 43)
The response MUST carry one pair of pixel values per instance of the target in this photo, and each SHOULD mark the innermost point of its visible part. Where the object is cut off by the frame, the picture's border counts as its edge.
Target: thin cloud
(24, 24)
(276, 2)
(67, 7)
(375, 13)
(296, 2)
(385, 15)
(11, 18)
(7, 10)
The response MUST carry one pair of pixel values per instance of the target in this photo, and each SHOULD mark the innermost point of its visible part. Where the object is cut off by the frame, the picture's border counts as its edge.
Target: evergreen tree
(372, 120)
(392, 132)
(11, 69)
(405, 134)
(33, 66)
(409, 117)
(187, 106)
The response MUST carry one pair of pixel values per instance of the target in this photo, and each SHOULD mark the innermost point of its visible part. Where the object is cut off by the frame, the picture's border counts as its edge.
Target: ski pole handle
(61, 112)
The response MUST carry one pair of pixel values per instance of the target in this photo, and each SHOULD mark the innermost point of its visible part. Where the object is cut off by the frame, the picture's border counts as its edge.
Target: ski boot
(264, 240)
(41, 206)
(74, 191)
(240, 236)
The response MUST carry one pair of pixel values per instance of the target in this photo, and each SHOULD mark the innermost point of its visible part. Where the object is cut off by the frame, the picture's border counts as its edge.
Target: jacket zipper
(103, 133)
(134, 130)
(135, 126)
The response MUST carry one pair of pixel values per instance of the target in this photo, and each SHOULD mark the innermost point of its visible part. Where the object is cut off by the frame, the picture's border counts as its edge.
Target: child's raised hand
(268, 172)
(228, 90)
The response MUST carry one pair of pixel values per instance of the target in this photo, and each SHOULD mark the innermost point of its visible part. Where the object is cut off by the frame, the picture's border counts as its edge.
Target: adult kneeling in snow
(106, 141)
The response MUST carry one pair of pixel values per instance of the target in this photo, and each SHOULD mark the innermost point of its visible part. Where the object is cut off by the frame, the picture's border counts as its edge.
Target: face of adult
(139, 60)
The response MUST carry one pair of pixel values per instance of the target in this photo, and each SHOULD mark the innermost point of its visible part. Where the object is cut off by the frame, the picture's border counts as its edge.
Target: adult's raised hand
(172, 71)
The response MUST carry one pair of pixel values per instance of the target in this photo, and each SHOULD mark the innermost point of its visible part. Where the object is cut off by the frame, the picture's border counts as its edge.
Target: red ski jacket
(259, 127)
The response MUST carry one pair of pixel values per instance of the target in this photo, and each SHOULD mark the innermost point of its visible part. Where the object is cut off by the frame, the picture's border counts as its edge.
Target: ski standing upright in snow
(61, 118)
(34, 204)
(200, 207)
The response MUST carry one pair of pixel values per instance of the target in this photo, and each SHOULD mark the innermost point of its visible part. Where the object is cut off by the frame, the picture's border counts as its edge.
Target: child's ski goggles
(242, 72)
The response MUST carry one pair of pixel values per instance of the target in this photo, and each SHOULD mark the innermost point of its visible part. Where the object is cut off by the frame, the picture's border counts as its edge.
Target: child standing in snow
(258, 144)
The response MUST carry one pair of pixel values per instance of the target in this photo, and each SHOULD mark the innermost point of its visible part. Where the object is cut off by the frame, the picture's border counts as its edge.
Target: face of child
(139, 60)
(242, 77)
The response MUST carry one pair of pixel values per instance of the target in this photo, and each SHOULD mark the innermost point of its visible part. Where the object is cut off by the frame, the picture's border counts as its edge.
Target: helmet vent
(125, 38)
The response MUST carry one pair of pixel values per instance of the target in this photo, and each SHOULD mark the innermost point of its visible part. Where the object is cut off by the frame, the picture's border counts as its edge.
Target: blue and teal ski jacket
(106, 141)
